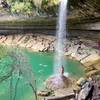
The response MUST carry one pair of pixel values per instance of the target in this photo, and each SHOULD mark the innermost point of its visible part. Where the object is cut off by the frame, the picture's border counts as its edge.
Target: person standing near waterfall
(62, 70)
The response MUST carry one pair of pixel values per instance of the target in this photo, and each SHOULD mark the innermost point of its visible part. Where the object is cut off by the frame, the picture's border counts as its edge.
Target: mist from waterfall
(60, 36)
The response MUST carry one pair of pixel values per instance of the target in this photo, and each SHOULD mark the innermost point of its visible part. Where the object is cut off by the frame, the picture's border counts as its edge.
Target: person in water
(62, 70)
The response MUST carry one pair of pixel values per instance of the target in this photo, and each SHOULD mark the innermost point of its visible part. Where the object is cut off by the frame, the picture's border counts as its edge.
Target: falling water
(60, 36)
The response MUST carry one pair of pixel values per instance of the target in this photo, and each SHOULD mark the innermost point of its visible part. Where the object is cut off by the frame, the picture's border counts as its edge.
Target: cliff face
(85, 7)
(77, 8)
(82, 15)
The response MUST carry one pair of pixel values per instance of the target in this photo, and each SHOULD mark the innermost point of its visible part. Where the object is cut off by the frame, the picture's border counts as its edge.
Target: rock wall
(86, 34)
(35, 42)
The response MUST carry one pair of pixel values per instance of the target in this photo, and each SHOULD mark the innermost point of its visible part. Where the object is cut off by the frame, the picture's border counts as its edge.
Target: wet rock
(86, 87)
(58, 82)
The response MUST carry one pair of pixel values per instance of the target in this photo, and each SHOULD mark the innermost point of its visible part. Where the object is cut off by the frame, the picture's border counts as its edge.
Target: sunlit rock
(92, 59)
(81, 81)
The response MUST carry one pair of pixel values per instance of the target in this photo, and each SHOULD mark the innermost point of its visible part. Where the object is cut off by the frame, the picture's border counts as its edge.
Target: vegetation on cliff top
(50, 7)
(30, 7)
(79, 11)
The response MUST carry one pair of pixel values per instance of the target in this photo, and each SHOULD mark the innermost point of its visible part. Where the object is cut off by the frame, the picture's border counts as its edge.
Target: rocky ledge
(85, 51)
(35, 42)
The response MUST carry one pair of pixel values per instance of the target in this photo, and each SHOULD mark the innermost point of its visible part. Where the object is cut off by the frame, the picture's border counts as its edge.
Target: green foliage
(27, 6)
(22, 7)
(50, 6)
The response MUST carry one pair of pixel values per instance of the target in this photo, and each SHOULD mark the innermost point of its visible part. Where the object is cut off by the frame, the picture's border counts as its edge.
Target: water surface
(42, 66)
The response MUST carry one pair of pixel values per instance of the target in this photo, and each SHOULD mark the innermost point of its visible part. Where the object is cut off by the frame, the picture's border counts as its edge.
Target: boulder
(93, 72)
(90, 60)
(84, 91)
(44, 93)
(64, 92)
(88, 69)
(97, 66)
(81, 81)
(58, 82)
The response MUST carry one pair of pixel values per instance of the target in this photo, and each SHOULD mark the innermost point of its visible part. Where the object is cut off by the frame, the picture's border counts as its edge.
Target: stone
(97, 66)
(8, 40)
(27, 45)
(93, 72)
(84, 91)
(58, 82)
(88, 69)
(81, 81)
(64, 92)
(2, 39)
(43, 93)
(90, 60)
(96, 83)
(76, 88)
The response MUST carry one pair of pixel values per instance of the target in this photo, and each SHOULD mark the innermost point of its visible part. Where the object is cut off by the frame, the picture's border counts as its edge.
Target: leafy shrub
(50, 6)
(21, 7)
(28, 6)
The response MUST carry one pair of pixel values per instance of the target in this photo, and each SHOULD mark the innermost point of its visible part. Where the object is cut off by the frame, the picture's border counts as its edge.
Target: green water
(42, 67)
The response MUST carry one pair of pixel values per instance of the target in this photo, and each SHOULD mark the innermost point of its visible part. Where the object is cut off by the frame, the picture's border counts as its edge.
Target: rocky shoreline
(34, 42)
(87, 52)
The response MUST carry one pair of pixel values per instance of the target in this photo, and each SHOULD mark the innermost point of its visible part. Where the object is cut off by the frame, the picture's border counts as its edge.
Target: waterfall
(60, 36)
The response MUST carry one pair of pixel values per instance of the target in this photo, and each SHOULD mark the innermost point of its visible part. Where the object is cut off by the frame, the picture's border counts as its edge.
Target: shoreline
(84, 51)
